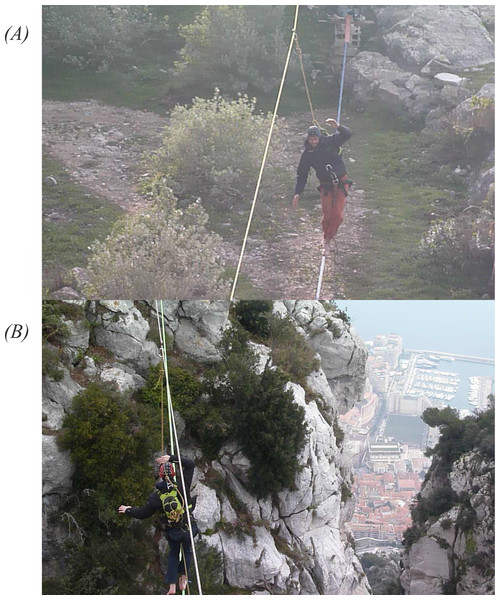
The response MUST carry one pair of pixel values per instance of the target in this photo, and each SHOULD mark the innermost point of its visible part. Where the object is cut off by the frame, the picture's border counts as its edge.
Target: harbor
(459, 381)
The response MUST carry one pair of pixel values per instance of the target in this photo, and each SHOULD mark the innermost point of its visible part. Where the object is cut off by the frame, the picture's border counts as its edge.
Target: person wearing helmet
(176, 503)
(323, 154)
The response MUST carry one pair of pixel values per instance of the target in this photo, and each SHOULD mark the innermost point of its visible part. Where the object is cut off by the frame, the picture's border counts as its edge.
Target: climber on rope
(322, 152)
(177, 506)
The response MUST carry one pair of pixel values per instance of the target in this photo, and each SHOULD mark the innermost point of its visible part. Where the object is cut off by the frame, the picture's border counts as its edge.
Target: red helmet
(166, 470)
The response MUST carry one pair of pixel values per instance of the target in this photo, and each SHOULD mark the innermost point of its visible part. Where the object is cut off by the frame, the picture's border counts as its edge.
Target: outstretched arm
(151, 507)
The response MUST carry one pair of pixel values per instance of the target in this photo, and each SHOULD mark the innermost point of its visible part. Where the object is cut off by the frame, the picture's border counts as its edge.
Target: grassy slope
(81, 218)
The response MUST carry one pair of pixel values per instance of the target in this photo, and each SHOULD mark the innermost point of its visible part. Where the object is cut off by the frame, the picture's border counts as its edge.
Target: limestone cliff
(450, 548)
(299, 542)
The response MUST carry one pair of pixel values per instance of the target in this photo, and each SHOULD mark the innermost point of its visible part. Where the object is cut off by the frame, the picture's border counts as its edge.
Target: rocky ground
(103, 148)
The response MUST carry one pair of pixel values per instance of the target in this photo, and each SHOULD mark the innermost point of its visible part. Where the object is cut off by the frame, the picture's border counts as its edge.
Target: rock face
(298, 542)
(455, 35)
(457, 550)
(418, 54)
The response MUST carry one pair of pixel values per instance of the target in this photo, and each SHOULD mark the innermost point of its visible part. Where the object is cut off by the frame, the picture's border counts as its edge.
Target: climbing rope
(174, 438)
(300, 54)
(265, 153)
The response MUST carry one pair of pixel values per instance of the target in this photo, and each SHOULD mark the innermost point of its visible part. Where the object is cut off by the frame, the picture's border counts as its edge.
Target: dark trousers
(176, 564)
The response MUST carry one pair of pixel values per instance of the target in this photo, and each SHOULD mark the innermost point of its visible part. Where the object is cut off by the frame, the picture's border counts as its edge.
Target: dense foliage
(254, 315)
(213, 149)
(382, 572)
(289, 349)
(164, 252)
(459, 436)
(266, 422)
(236, 48)
(236, 402)
(93, 37)
(110, 442)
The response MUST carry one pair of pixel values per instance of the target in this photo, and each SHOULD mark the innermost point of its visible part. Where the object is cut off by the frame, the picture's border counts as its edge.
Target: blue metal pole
(346, 42)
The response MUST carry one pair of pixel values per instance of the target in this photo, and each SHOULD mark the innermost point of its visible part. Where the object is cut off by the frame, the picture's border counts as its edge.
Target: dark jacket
(154, 504)
(326, 153)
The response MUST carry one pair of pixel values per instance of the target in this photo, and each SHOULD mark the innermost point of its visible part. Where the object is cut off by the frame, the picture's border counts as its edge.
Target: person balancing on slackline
(176, 504)
(323, 153)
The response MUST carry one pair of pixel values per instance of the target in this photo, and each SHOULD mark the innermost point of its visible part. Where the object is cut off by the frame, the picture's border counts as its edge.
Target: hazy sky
(459, 326)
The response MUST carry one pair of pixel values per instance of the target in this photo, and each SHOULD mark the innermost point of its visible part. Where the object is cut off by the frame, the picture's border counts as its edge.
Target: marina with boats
(430, 378)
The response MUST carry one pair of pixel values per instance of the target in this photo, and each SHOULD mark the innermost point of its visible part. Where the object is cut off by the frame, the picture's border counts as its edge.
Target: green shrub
(97, 432)
(163, 252)
(459, 246)
(259, 413)
(110, 443)
(213, 149)
(53, 328)
(271, 430)
(94, 37)
(290, 351)
(254, 316)
(51, 363)
(236, 48)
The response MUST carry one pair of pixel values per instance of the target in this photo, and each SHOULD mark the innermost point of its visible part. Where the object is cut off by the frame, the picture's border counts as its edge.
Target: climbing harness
(265, 153)
(174, 441)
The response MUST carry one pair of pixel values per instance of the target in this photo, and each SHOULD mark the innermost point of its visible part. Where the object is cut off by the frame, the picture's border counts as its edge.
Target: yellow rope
(265, 154)
(300, 54)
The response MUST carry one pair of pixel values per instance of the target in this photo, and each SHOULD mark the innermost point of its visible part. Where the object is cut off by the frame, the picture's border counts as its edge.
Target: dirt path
(103, 147)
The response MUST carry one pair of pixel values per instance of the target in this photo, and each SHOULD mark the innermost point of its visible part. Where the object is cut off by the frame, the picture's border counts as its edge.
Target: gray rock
(56, 466)
(56, 399)
(208, 508)
(122, 380)
(452, 34)
(375, 78)
(65, 293)
(450, 78)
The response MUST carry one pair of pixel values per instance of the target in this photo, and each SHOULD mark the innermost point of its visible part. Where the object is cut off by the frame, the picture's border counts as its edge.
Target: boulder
(454, 35)
(122, 380)
(373, 77)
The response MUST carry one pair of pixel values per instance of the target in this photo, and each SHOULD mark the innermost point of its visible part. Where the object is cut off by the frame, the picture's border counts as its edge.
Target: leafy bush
(110, 443)
(461, 245)
(213, 149)
(93, 37)
(257, 411)
(459, 436)
(290, 350)
(107, 458)
(53, 327)
(236, 48)
(254, 315)
(271, 430)
(163, 252)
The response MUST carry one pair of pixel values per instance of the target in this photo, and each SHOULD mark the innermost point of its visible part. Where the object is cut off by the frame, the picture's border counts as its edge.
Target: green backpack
(173, 505)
